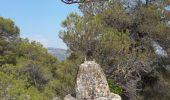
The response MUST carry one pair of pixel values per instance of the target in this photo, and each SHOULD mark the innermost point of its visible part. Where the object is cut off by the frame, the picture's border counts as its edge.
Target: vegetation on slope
(118, 36)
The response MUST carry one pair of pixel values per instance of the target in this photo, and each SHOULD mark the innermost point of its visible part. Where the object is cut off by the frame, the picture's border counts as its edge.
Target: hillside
(62, 54)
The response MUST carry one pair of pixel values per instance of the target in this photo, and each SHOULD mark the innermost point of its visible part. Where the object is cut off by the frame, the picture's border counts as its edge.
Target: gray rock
(69, 97)
(56, 98)
(102, 98)
(91, 84)
(111, 97)
(114, 97)
(91, 81)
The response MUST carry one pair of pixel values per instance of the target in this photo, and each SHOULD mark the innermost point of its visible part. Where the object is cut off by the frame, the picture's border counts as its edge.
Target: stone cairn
(91, 84)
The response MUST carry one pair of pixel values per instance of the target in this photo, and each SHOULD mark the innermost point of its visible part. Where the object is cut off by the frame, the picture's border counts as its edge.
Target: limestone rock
(69, 97)
(102, 98)
(114, 97)
(56, 98)
(91, 82)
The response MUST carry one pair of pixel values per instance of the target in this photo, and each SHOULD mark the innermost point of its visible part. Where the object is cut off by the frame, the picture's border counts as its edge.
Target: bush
(115, 88)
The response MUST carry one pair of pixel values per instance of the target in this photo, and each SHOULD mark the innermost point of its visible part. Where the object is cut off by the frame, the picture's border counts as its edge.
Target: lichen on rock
(91, 84)
(91, 81)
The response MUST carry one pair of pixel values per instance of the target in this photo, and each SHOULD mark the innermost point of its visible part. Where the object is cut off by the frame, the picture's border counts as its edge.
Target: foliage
(114, 88)
(26, 68)
(8, 30)
(119, 36)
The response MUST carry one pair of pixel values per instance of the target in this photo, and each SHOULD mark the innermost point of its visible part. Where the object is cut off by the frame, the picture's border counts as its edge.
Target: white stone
(115, 97)
(69, 97)
(102, 98)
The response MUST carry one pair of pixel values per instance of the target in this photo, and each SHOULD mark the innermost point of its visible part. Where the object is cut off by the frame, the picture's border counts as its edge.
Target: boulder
(114, 96)
(56, 98)
(91, 84)
(69, 97)
(91, 81)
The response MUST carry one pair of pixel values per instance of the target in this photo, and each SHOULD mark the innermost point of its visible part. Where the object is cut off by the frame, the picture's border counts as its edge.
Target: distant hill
(62, 54)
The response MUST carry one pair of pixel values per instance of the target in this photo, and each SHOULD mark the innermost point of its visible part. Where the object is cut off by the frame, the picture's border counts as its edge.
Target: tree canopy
(124, 36)
(120, 35)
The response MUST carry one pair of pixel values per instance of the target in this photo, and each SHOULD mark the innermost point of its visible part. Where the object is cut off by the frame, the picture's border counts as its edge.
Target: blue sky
(38, 20)
(167, 8)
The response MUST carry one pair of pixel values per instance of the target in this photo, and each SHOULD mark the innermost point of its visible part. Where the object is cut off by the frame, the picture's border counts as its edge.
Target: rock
(114, 97)
(56, 98)
(91, 82)
(69, 97)
(102, 98)
(111, 97)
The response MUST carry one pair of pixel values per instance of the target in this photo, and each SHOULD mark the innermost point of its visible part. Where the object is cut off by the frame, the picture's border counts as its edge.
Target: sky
(38, 20)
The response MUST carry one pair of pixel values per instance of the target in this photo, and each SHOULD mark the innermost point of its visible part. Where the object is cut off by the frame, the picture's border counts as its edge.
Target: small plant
(114, 88)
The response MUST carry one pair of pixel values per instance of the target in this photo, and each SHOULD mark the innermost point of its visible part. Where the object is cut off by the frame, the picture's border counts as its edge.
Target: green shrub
(114, 88)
